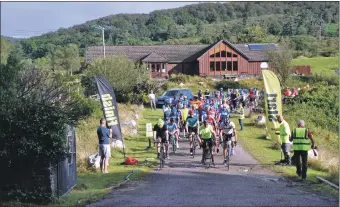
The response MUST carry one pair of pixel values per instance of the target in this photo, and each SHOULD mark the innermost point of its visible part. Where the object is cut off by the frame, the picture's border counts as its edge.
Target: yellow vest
(241, 111)
(284, 132)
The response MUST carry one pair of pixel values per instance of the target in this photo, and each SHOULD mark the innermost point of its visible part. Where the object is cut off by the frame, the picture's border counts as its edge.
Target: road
(186, 182)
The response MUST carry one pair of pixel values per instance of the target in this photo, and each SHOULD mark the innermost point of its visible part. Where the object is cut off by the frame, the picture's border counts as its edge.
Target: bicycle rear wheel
(193, 146)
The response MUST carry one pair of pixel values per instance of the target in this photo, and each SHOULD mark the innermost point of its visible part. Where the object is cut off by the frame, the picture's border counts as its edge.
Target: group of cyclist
(204, 120)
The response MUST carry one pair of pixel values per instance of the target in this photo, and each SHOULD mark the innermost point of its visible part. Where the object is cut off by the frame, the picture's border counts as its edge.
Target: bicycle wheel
(193, 145)
(161, 157)
(174, 144)
(228, 156)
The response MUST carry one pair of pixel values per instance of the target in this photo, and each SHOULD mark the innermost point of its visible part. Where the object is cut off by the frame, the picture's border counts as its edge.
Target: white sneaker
(177, 145)
(232, 152)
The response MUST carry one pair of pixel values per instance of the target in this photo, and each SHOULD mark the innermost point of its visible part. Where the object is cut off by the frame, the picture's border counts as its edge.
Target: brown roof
(154, 58)
(170, 53)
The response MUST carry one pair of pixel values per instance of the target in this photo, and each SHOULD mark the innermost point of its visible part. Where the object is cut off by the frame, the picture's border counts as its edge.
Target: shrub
(123, 74)
(247, 83)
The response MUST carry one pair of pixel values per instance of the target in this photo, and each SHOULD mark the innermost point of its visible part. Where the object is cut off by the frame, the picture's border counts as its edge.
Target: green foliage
(66, 59)
(235, 21)
(247, 83)
(319, 65)
(121, 72)
(34, 110)
(281, 62)
(5, 50)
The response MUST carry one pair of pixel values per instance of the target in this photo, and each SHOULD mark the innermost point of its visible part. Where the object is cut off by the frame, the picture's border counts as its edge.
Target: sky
(26, 19)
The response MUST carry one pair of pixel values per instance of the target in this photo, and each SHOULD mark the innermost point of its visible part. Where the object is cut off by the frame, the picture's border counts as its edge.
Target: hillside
(302, 22)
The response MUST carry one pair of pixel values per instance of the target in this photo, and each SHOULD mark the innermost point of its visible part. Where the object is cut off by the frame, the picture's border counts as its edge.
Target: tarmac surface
(184, 181)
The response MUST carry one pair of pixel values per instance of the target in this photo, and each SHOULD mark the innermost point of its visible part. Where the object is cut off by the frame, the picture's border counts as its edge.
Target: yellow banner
(273, 102)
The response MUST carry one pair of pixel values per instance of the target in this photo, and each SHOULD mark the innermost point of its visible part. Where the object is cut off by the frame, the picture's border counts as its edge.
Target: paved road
(185, 182)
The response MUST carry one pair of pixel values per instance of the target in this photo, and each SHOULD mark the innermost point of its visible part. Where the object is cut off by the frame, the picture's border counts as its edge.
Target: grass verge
(92, 186)
(253, 141)
(320, 65)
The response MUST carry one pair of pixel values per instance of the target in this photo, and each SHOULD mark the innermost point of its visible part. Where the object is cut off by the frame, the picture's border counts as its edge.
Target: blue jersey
(225, 113)
(172, 127)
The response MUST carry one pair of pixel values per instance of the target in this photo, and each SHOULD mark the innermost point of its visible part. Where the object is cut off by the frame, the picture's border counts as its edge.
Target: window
(229, 66)
(212, 66)
(234, 55)
(224, 66)
(153, 67)
(223, 53)
(218, 66)
(215, 55)
(235, 66)
(228, 54)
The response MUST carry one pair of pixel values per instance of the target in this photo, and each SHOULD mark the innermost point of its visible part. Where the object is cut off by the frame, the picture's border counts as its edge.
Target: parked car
(170, 94)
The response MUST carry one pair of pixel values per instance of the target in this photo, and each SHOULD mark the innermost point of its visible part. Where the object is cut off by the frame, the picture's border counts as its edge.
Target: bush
(123, 74)
(35, 108)
(247, 83)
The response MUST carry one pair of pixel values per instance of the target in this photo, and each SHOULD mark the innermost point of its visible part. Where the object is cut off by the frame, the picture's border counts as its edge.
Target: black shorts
(207, 141)
(252, 99)
(192, 129)
(227, 137)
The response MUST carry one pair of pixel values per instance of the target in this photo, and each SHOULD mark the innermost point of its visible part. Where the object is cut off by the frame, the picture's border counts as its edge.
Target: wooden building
(216, 60)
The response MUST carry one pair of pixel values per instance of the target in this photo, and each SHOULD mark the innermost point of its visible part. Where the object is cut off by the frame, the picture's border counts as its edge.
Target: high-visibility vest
(300, 139)
(241, 110)
(284, 127)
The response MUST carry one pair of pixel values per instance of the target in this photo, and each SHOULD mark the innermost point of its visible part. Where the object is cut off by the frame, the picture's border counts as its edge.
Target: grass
(320, 65)
(92, 186)
(253, 141)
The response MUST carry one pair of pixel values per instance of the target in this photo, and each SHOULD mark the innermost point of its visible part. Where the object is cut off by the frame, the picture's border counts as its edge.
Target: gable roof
(171, 53)
(154, 57)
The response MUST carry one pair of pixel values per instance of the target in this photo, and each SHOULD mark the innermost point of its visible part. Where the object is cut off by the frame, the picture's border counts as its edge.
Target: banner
(110, 109)
(273, 102)
(149, 131)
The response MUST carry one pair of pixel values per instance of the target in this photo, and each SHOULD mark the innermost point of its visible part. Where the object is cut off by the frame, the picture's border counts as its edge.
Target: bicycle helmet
(160, 123)
(172, 120)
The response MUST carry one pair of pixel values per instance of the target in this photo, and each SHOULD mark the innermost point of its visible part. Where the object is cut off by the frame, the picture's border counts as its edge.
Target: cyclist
(229, 136)
(206, 133)
(166, 109)
(184, 115)
(200, 94)
(173, 129)
(192, 126)
(185, 101)
(174, 114)
(160, 135)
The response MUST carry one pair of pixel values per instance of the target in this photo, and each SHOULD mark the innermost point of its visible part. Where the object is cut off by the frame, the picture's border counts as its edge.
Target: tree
(252, 34)
(121, 72)
(43, 63)
(66, 58)
(5, 50)
(281, 62)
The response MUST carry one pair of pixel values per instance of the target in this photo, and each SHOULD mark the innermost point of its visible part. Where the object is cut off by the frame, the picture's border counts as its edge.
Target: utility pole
(102, 28)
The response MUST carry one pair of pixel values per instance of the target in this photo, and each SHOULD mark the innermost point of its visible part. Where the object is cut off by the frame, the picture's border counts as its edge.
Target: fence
(303, 70)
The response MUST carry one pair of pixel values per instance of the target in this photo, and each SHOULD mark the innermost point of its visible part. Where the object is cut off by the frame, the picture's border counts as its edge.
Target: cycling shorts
(161, 139)
(208, 142)
(227, 137)
(192, 129)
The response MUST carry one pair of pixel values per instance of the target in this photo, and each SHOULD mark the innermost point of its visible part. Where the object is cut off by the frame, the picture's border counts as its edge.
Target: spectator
(287, 92)
(104, 135)
(152, 100)
(294, 92)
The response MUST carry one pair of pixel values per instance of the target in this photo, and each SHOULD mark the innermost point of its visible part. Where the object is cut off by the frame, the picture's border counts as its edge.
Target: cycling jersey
(206, 132)
(228, 129)
(185, 102)
(184, 113)
(225, 113)
(172, 127)
(192, 121)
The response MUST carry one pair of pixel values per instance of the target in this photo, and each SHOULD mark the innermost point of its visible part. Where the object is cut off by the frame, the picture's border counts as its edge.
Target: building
(216, 60)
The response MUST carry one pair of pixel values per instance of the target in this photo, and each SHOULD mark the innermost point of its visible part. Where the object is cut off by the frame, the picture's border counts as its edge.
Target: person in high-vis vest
(302, 141)
(284, 132)
(240, 111)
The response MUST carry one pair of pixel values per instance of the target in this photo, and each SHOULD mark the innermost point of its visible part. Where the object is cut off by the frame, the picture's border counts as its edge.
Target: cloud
(35, 18)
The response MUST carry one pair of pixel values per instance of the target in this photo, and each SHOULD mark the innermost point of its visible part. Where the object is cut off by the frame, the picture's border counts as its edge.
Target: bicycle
(208, 153)
(173, 142)
(227, 158)
(193, 137)
(162, 156)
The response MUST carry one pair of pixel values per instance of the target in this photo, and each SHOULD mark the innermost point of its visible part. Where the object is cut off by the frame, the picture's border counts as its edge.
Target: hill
(12, 40)
(319, 65)
(204, 23)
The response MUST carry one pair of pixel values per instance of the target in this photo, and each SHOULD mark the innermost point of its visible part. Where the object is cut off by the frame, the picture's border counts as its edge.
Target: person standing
(104, 135)
(152, 100)
(240, 111)
(284, 132)
(302, 139)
